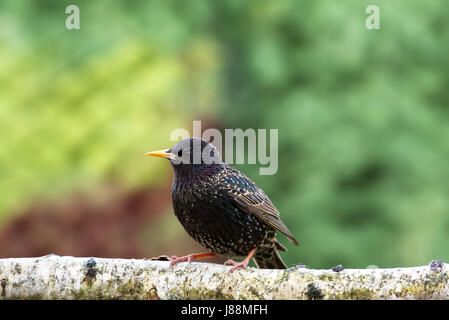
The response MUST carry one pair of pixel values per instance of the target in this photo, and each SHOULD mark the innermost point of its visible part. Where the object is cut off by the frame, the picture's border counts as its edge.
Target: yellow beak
(161, 153)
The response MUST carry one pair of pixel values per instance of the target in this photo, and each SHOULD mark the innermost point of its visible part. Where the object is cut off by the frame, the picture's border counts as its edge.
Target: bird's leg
(190, 257)
(242, 264)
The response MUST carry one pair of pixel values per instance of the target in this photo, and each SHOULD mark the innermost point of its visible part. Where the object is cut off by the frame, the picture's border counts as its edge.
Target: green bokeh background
(363, 115)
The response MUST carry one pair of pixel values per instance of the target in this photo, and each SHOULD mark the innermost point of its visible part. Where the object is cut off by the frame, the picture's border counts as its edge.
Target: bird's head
(190, 154)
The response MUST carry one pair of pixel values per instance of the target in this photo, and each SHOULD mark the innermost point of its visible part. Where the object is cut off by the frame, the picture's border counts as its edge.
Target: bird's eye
(180, 153)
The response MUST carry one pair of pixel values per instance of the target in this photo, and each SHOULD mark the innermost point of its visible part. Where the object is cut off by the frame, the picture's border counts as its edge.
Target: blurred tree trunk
(55, 277)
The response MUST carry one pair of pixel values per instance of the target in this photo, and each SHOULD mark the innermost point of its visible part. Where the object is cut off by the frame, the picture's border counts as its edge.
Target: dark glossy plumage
(225, 211)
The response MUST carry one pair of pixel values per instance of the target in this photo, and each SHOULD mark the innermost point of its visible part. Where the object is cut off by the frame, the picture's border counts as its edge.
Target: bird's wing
(247, 197)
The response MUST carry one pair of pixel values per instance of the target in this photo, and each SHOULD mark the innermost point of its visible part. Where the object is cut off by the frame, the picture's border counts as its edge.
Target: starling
(222, 209)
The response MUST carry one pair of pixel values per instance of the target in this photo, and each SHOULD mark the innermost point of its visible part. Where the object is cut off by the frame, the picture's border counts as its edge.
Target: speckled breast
(213, 221)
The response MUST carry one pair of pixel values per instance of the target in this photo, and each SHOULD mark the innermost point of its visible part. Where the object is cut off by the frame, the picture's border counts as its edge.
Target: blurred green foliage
(82, 107)
(363, 123)
(362, 114)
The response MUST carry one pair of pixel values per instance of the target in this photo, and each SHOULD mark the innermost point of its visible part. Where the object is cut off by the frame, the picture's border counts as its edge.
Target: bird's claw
(174, 259)
(190, 257)
(236, 265)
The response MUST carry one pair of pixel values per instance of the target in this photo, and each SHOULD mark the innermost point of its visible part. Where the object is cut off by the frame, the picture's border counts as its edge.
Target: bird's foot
(190, 257)
(242, 264)
(174, 259)
(236, 265)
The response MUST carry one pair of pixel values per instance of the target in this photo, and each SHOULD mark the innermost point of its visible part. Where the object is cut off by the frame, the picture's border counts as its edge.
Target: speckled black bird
(222, 209)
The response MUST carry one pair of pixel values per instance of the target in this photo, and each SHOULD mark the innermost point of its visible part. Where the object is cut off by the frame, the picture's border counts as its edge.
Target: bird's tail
(269, 259)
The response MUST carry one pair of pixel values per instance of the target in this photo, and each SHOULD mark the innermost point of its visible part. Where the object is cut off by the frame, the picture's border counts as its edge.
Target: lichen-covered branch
(55, 277)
